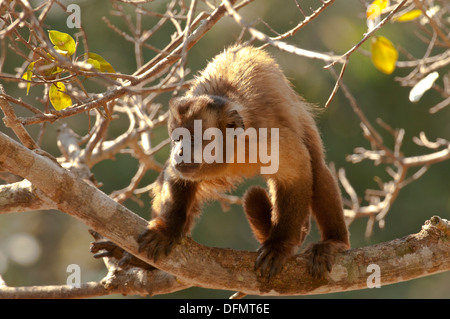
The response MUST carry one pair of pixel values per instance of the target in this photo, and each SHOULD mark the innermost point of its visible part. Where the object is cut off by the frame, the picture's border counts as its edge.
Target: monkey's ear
(216, 102)
(179, 105)
(234, 120)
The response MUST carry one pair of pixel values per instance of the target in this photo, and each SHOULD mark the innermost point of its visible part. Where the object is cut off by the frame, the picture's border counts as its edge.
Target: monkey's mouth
(187, 168)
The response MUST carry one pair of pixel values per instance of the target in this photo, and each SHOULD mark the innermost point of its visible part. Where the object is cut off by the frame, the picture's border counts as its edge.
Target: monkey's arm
(174, 206)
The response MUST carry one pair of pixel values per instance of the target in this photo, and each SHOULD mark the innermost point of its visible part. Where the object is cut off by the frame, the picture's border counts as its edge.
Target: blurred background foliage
(37, 247)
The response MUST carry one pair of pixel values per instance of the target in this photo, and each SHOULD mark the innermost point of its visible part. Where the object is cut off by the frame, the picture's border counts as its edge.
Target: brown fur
(244, 87)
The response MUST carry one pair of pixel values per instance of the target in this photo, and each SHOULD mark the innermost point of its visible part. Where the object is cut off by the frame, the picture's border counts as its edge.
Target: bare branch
(279, 44)
(305, 21)
(433, 23)
(11, 121)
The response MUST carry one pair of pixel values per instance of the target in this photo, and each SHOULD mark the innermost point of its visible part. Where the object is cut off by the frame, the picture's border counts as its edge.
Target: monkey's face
(197, 128)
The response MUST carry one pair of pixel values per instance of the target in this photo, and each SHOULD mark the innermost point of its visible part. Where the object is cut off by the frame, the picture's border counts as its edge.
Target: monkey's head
(197, 128)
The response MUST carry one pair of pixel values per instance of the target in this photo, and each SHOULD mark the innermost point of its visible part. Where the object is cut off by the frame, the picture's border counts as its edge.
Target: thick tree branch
(131, 282)
(22, 197)
(89, 289)
(402, 259)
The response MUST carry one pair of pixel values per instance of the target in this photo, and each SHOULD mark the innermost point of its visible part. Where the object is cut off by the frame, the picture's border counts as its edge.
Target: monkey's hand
(158, 239)
(103, 247)
(321, 256)
(272, 256)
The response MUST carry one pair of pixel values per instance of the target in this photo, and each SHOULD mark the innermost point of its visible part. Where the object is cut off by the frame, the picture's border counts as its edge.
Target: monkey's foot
(272, 257)
(158, 239)
(321, 256)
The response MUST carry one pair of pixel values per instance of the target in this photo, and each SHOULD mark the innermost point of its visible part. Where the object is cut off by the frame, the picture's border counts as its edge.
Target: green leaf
(58, 98)
(384, 54)
(64, 43)
(28, 74)
(104, 66)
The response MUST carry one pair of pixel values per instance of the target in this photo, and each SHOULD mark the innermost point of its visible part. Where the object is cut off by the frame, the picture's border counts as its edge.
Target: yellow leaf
(408, 16)
(64, 43)
(94, 63)
(58, 98)
(384, 54)
(28, 74)
(375, 9)
(104, 66)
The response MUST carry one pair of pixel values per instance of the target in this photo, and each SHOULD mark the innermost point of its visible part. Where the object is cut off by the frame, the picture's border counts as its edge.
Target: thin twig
(279, 44)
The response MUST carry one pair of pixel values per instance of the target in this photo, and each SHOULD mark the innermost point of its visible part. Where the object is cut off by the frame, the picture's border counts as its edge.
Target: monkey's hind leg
(291, 209)
(328, 212)
(327, 208)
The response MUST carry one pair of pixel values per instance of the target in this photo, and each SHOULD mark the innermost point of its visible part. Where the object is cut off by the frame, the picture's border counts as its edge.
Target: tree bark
(410, 257)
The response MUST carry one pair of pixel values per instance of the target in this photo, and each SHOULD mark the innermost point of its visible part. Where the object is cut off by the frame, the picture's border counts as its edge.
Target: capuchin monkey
(243, 96)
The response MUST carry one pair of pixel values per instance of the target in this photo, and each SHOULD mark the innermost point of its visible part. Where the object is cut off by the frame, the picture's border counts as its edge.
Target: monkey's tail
(258, 208)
